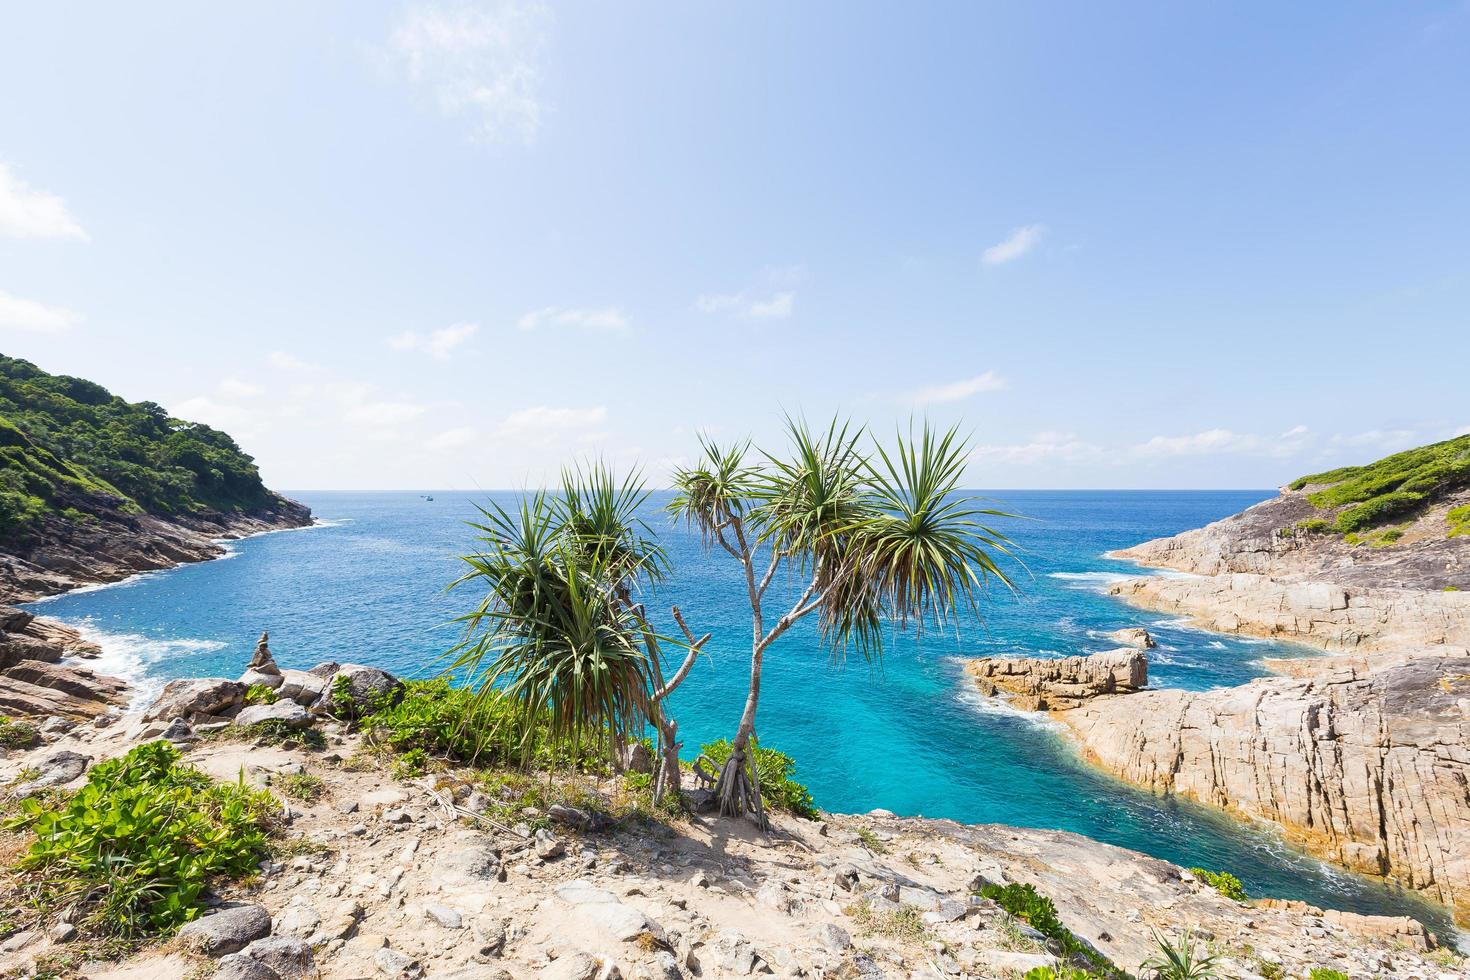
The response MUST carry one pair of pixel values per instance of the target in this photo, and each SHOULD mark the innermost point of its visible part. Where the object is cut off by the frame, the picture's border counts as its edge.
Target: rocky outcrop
(119, 544)
(1371, 770)
(1059, 684)
(1134, 636)
(1334, 617)
(34, 682)
(198, 701)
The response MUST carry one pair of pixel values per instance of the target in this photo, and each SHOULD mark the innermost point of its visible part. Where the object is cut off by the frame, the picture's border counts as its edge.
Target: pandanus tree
(560, 631)
(865, 538)
(869, 538)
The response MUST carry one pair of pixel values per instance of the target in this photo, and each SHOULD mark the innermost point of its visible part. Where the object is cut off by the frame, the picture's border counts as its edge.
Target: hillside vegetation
(70, 449)
(1393, 487)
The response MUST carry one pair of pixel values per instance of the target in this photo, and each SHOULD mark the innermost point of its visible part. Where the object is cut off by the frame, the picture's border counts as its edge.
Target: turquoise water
(911, 736)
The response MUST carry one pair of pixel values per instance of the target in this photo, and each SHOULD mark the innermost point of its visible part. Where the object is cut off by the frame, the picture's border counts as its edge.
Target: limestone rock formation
(1043, 684)
(1371, 770)
(1134, 636)
(33, 681)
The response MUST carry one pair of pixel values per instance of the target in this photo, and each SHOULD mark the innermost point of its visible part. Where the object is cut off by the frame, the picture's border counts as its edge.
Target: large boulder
(201, 700)
(288, 713)
(355, 687)
(301, 686)
(228, 930)
(35, 687)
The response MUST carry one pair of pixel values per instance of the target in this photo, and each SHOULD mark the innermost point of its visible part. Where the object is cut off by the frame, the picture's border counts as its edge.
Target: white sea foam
(1216, 645)
(131, 656)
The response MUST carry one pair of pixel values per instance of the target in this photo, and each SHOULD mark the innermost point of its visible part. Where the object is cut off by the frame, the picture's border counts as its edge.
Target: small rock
(445, 916)
(290, 957)
(571, 966)
(289, 713)
(238, 966)
(62, 932)
(832, 937)
(396, 963)
(548, 846)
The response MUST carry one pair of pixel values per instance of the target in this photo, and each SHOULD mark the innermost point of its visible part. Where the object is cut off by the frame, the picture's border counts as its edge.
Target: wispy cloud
(437, 343)
(777, 306)
(544, 422)
(608, 319)
(450, 439)
(1215, 442)
(481, 62)
(1017, 244)
(26, 212)
(1044, 447)
(956, 391)
(18, 313)
(287, 362)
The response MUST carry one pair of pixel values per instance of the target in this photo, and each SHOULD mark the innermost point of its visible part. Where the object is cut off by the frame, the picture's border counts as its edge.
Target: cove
(908, 735)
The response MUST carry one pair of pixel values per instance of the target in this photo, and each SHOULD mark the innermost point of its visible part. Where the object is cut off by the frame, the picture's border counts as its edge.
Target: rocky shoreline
(1362, 757)
(117, 544)
(404, 877)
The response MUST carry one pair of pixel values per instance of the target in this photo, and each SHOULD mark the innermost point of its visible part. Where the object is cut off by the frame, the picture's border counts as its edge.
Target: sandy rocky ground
(384, 882)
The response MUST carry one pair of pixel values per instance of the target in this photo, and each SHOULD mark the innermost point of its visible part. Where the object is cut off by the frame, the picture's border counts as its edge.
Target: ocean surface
(369, 585)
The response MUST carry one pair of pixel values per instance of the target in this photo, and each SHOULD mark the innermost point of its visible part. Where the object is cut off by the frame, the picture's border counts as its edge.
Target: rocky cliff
(1363, 756)
(1369, 769)
(1047, 684)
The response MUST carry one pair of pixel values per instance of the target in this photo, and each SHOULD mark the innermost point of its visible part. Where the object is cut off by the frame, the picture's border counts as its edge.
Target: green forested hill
(72, 449)
(1393, 487)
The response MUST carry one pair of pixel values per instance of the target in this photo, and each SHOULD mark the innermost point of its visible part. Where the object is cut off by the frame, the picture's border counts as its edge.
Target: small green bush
(1313, 525)
(773, 773)
(17, 734)
(1459, 521)
(414, 762)
(273, 731)
(1061, 973)
(1223, 882)
(1324, 973)
(133, 849)
(1025, 902)
(260, 694)
(301, 786)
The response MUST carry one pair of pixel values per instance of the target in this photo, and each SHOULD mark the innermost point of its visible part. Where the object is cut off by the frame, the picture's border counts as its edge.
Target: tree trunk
(738, 789)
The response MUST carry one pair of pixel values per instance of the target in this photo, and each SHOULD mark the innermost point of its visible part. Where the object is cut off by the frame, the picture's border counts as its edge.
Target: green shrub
(1313, 525)
(773, 774)
(1392, 486)
(414, 762)
(271, 731)
(17, 734)
(1223, 882)
(300, 786)
(1060, 973)
(133, 849)
(1323, 973)
(1181, 960)
(1038, 911)
(260, 694)
(1459, 521)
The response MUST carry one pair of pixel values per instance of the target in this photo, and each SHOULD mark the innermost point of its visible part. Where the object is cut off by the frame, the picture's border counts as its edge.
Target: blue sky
(410, 244)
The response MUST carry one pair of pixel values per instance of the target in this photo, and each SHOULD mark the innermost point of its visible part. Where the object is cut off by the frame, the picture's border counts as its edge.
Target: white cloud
(1207, 443)
(543, 422)
(287, 362)
(439, 343)
(26, 212)
(957, 391)
(383, 413)
(777, 307)
(609, 319)
(1384, 439)
(452, 439)
(235, 388)
(482, 62)
(26, 314)
(1044, 447)
(1017, 244)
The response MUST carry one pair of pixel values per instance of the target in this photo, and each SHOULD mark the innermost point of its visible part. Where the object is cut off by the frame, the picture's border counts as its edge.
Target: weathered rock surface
(1134, 636)
(351, 686)
(38, 688)
(288, 713)
(228, 929)
(1370, 770)
(1058, 684)
(201, 700)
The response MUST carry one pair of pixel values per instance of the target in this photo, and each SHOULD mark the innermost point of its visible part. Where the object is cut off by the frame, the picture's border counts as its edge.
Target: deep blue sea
(369, 586)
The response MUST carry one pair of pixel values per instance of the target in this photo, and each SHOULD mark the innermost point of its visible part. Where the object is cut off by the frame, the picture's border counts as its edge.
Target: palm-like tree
(880, 536)
(559, 632)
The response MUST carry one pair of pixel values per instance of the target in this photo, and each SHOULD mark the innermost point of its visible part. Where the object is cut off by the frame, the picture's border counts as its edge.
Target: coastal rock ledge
(1369, 770)
(1046, 684)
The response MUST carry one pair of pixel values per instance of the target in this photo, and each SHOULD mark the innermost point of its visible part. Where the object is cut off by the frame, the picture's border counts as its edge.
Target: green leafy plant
(414, 762)
(871, 841)
(260, 694)
(271, 731)
(1026, 903)
(1324, 973)
(1183, 959)
(773, 771)
(130, 853)
(1058, 973)
(1374, 494)
(302, 786)
(1223, 882)
(1458, 519)
(17, 734)
(904, 924)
